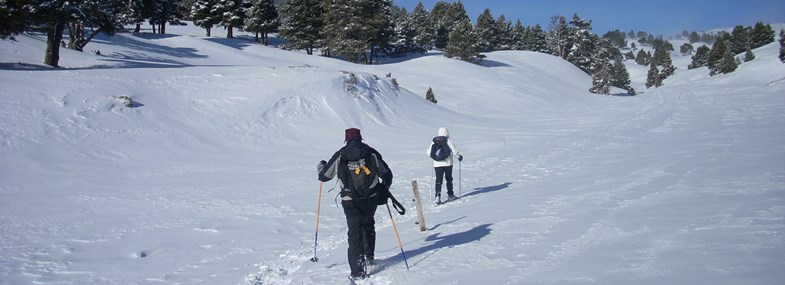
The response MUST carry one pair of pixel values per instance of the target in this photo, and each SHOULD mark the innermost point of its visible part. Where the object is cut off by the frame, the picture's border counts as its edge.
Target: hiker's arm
(330, 169)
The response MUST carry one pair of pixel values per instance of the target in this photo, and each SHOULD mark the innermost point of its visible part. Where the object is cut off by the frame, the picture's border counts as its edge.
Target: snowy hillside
(210, 177)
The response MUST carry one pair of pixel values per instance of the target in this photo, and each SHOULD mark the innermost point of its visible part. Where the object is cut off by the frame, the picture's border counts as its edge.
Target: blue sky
(659, 17)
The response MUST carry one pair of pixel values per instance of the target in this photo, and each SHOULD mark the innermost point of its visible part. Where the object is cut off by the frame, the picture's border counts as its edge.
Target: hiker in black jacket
(365, 177)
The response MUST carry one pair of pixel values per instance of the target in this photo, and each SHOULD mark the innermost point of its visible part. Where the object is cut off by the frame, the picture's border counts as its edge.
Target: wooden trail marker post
(418, 205)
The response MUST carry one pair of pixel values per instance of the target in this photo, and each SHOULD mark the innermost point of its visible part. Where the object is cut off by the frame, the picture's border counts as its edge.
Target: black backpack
(439, 149)
(358, 170)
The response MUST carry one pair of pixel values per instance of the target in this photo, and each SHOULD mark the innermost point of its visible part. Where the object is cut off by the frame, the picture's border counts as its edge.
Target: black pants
(362, 233)
(443, 172)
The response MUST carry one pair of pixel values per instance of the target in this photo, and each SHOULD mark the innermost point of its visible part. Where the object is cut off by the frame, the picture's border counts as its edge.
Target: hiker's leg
(354, 223)
(439, 180)
(369, 230)
(448, 176)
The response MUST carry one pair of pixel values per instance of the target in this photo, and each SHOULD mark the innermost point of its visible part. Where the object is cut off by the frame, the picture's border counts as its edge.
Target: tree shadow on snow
(483, 190)
(446, 241)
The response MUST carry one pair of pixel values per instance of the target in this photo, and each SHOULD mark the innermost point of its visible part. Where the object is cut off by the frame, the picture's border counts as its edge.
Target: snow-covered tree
(749, 56)
(423, 28)
(446, 16)
(739, 39)
(620, 77)
(344, 29)
(653, 76)
(504, 38)
(204, 14)
(352, 27)
(518, 36)
(584, 44)
(558, 36)
(538, 39)
(301, 24)
(486, 31)
(663, 59)
(782, 46)
(232, 15)
(727, 64)
(134, 13)
(701, 57)
(462, 44)
(14, 16)
(53, 16)
(430, 96)
(600, 73)
(643, 57)
(716, 53)
(686, 48)
(761, 35)
(261, 19)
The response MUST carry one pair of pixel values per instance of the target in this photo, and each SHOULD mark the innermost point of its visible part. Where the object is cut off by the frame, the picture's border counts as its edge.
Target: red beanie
(353, 134)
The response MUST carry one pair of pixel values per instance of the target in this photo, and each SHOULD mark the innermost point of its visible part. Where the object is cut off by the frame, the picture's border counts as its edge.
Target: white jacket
(453, 150)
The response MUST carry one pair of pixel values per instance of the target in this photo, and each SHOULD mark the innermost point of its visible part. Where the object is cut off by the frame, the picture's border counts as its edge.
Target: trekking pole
(316, 236)
(459, 179)
(397, 237)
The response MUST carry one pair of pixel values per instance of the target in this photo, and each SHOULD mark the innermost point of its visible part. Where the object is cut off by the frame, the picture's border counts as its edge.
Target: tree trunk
(208, 31)
(53, 38)
(229, 33)
(138, 28)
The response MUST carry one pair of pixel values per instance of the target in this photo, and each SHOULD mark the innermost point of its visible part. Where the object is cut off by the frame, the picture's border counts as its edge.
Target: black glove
(460, 157)
(320, 166)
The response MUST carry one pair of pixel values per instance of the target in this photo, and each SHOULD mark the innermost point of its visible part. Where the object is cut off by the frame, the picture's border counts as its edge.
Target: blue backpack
(439, 149)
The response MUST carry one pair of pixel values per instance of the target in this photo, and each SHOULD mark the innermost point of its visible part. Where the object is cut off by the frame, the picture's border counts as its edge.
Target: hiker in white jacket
(443, 168)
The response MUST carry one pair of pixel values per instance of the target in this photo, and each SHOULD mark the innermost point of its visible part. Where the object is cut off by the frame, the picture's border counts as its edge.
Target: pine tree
(203, 15)
(749, 56)
(352, 27)
(727, 64)
(486, 31)
(620, 77)
(518, 36)
(739, 39)
(558, 36)
(761, 35)
(134, 13)
(642, 58)
(429, 96)
(232, 15)
(538, 39)
(53, 17)
(686, 48)
(14, 17)
(422, 25)
(700, 58)
(653, 76)
(782, 46)
(601, 77)
(663, 59)
(301, 24)
(261, 18)
(504, 36)
(446, 17)
(716, 53)
(462, 45)
(583, 44)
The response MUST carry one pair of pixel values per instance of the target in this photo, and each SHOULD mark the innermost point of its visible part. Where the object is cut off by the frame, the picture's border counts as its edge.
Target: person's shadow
(483, 190)
(440, 242)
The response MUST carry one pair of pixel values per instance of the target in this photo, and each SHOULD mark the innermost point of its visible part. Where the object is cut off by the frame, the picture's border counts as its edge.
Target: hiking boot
(451, 197)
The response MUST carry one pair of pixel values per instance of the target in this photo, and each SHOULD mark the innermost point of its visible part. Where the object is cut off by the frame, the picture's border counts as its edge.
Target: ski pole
(459, 178)
(397, 237)
(316, 236)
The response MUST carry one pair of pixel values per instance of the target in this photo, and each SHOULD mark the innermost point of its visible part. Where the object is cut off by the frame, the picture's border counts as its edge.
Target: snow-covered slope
(210, 178)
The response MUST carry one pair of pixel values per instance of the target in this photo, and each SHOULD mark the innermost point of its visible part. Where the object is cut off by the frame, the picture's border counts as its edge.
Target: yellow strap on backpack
(364, 168)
